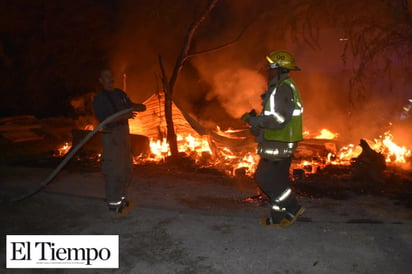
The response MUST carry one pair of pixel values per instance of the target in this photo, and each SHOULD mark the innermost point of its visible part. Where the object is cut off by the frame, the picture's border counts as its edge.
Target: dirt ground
(199, 221)
(189, 219)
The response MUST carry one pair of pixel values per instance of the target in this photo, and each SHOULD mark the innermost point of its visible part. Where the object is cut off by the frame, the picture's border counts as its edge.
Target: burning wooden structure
(233, 150)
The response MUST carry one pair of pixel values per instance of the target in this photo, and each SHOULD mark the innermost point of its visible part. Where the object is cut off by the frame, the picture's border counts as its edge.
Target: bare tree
(371, 38)
(374, 31)
(169, 85)
(184, 55)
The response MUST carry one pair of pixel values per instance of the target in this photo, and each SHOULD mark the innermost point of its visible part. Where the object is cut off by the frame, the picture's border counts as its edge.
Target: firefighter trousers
(273, 176)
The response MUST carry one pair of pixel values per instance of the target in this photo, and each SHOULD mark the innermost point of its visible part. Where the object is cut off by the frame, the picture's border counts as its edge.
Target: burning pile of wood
(234, 151)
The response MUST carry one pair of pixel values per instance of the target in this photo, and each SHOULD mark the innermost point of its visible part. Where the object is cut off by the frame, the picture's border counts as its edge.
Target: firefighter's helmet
(281, 59)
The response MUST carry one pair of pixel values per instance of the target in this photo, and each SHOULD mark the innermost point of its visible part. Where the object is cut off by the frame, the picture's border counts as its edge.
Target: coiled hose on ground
(67, 158)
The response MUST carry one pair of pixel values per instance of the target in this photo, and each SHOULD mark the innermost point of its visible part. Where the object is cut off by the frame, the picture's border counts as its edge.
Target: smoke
(224, 84)
(237, 90)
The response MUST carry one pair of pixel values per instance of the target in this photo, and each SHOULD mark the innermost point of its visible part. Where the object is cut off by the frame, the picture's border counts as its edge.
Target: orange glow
(229, 133)
(310, 167)
(88, 127)
(393, 153)
(346, 153)
(159, 150)
(197, 147)
(326, 134)
(223, 158)
(62, 150)
(249, 162)
(189, 144)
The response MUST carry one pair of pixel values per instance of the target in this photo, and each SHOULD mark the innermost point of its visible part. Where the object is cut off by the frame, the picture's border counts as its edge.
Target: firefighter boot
(277, 217)
(285, 210)
(128, 205)
(293, 210)
(118, 206)
(275, 220)
(125, 202)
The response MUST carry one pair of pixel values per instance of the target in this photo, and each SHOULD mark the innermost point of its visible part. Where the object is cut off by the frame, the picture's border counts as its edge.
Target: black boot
(118, 207)
(277, 217)
(284, 211)
(293, 210)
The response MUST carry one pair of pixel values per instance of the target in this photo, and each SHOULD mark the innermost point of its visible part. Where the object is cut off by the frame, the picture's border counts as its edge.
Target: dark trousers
(273, 176)
(116, 162)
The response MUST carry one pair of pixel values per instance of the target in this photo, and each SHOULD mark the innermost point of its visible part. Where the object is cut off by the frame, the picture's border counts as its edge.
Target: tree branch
(188, 42)
(225, 45)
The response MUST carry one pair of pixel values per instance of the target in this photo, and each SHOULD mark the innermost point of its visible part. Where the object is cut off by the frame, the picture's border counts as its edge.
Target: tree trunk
(169, 85)
(171, 134)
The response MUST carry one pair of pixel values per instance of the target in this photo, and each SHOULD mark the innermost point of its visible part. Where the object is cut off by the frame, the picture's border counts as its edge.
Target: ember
(198, 147)
(239, 157)
(63, 150)
(394, 154)
(187, 144)
(230, 133)
(326, 134)
(159, 149)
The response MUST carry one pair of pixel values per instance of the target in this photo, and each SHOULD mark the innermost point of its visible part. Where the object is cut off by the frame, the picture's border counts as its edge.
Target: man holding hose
(116, 154)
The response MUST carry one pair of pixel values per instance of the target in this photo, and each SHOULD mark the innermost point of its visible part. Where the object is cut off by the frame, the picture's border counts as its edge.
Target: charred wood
(369, 165)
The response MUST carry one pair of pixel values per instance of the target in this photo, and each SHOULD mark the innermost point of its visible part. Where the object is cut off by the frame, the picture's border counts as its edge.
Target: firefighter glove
(245, 117)
(255, 130)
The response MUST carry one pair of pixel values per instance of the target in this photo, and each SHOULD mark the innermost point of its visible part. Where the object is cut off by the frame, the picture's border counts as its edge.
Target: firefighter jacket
(279, 126)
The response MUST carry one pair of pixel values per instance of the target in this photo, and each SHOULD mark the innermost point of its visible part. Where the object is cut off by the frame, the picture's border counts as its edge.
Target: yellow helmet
(281, 59)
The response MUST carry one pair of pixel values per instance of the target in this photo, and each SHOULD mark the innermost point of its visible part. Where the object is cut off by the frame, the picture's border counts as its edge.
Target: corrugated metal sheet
(152, 122)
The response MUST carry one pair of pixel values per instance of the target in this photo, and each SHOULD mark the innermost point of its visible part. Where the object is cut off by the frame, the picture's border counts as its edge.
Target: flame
(159, 149)
(347, 153)
(249, 162)
(185, 143)
(189, 144)
(88, 127)
(393, 152)
(198, 148)
(326, 134)
(229, 133)
(63, 149)
(311, 167)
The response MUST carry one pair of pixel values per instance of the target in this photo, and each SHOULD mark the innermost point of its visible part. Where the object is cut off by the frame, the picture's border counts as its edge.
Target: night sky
(52, 51)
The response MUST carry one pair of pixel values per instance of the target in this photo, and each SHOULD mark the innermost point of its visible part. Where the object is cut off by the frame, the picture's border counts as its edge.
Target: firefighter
(278, 129)
(116, 154)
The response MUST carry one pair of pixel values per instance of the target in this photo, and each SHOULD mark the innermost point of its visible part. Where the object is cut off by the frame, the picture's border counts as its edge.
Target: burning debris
(234, 150)
(323, 150)
(231, 150)
(369, 165)
(323, 166)
(63, 150)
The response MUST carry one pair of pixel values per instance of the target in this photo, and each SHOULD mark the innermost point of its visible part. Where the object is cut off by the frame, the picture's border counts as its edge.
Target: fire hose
(68, 156)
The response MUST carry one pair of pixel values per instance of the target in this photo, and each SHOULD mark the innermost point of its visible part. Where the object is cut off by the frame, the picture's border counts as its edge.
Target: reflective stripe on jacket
(292, 132)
